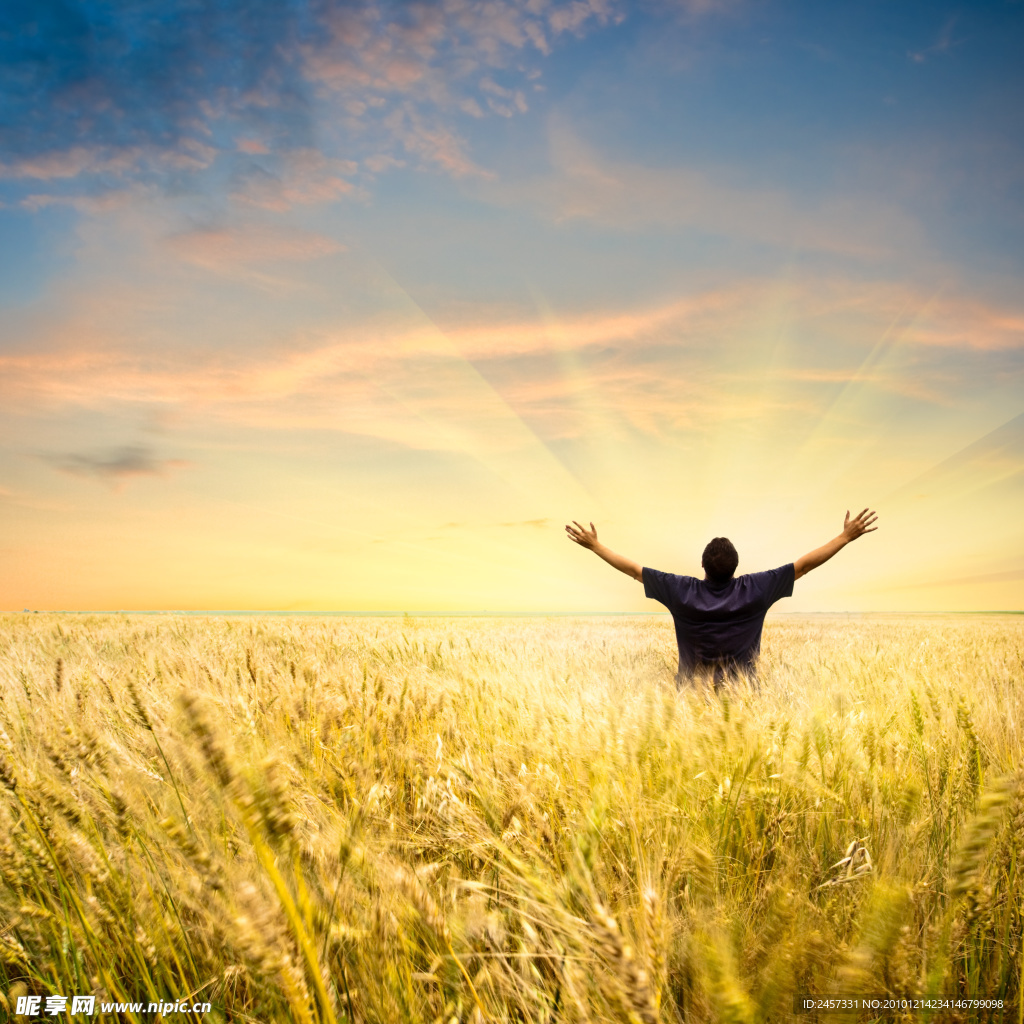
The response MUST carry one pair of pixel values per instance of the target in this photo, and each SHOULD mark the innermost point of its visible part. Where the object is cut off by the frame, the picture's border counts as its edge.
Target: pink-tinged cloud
(411, 387)
(667, 324)
(573, 17)
(433, 62)
(228, 248)
(856, 310)
(413, 75)
(656, 372)
(253, 147)
(969, 325)
(304, 177)
(71, 163)
(190, 154)
(382, 162)
(434, 142)
(502, 101)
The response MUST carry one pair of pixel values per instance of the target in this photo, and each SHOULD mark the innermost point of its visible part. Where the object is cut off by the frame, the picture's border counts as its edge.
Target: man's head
(720, 560)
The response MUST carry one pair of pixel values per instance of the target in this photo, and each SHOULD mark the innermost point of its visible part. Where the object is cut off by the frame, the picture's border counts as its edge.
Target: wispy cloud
(586, 186)
(1008, 576)
(293, 96)
(943, 44)
(88, 89)
(225, 249)
(71, 163)
(654, 371)
(114, 465)
(534, 524)
(301, 177)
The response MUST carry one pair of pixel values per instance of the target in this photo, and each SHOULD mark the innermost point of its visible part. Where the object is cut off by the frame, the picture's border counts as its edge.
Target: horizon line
(459, 614)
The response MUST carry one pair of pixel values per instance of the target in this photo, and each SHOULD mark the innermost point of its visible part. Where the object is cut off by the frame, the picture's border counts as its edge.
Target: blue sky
(480, 266)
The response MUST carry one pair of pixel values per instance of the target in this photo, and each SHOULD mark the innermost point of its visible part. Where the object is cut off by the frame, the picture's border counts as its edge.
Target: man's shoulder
(669, 577)
(771, 582)
(666, 586)
(769, 574)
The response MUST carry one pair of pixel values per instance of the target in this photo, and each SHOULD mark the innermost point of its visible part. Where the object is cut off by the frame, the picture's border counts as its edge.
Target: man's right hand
(588, 539)
(854, 528)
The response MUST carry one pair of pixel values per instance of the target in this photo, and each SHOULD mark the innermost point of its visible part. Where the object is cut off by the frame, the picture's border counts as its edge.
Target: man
(718, 619)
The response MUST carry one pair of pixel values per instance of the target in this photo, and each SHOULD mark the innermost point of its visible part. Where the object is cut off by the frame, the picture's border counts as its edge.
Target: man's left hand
(584, 537)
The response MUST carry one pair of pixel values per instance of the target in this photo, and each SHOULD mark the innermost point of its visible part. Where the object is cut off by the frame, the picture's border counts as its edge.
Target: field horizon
(483, 614)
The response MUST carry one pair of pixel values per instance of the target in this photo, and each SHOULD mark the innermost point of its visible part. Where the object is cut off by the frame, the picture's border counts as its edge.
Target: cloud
(656, 371)
(88, 89)
(588, 187)
(434, 142)
(224, 249)
(151, 91)
(114, 465)
(944, 43)
(535, 524)
(300, 178)
(969, 324)
(383, 161)
(104, 202)
(502, 101)
(71, 163)
(405, 383)
(574, 16)
(1009, 576)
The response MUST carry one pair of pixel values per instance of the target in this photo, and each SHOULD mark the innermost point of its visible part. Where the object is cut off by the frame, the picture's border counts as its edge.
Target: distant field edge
(485, 614)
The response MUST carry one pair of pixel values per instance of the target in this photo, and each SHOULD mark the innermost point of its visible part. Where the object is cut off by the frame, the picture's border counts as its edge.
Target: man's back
(718, 625)
(719, 618)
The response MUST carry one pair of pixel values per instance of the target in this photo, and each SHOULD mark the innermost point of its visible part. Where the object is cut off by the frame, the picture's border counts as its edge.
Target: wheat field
(470, 819)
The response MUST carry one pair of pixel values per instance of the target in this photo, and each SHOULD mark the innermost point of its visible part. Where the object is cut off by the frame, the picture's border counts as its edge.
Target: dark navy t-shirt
(719, 626)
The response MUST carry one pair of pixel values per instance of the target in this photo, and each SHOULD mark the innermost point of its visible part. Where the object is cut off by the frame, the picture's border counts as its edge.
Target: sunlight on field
(507, 819)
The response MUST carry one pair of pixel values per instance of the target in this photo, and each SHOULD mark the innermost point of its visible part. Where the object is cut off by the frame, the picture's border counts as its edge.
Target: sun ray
(739, 446)
(856, 408)
(993, 458)
(528, 464)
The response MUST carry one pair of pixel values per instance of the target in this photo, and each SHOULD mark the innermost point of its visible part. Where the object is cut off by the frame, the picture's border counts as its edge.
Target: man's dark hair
(720, 560)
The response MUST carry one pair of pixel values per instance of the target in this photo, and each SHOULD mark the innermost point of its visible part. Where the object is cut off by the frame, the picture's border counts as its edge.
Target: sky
(309, 305)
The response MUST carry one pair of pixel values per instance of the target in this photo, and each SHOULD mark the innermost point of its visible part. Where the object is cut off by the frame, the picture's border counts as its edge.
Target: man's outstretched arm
(852, 529)
(588, 539)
